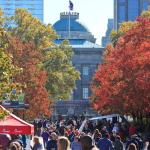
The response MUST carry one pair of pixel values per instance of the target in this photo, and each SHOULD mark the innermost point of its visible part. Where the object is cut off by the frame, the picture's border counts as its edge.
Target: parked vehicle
(112, 117)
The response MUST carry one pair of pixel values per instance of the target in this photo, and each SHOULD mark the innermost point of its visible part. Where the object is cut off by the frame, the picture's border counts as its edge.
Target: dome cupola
(68, 27)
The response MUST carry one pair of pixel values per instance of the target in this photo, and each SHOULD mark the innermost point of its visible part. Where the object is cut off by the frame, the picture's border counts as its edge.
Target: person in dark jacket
(87, 143)
(45, 136)
(52, 143)
(118, 144)
(24, 141)
(135, 140)
(105, 143)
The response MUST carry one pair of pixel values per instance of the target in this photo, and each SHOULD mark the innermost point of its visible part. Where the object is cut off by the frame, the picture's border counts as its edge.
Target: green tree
(7, 72)
(56, 60)
(7, 69)
(61, 74)
(28, 28)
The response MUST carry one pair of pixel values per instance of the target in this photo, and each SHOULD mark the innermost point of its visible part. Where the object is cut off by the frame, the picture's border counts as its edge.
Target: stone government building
(87, 56)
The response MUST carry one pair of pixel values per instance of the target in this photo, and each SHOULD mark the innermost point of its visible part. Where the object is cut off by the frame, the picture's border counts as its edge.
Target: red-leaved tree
(33, 77)
(122, 82)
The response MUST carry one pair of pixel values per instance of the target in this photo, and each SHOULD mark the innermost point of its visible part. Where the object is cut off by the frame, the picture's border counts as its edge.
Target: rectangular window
(85, 70)
(85, 93)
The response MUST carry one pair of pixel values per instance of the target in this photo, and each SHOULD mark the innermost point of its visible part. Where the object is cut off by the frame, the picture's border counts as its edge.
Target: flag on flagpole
(70, 5)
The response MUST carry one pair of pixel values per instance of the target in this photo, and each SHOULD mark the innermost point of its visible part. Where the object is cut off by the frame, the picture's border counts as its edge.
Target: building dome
(76, 29)
(63, 23)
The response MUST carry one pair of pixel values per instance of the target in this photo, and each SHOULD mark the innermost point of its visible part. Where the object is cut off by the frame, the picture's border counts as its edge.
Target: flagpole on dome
(70, 9)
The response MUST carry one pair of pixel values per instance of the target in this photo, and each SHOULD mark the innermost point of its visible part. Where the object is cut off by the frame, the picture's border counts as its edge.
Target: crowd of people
(67, 134)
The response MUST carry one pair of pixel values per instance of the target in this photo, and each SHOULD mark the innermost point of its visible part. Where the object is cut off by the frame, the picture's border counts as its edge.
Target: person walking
(63, 143)
(76, 145)
(96, 136)
(15, 145)
(105, 143)
(37, 145)
(52, 143)
(132, 146)
(45, 136)
(4, 141)
(118, 144)
(87, 143)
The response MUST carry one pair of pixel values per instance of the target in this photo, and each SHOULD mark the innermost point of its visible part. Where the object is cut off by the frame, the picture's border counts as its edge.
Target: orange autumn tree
(31, 44)
(33, 77)
(122, 83)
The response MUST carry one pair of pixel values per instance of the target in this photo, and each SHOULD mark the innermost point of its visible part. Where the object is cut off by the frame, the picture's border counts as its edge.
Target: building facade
(87, 56)
(128, 10)
(33, 6)
(106, 39)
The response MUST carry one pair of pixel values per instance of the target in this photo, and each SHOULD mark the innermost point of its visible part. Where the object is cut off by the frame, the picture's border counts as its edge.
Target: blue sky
(93, 13)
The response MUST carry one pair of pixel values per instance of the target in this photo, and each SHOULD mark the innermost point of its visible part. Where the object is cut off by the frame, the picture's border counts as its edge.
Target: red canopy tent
(14, 125)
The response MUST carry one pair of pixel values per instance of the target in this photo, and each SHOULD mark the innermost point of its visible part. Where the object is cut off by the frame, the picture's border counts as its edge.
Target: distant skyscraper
(34, 6)
(106, 38)
(128, 10)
